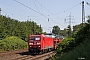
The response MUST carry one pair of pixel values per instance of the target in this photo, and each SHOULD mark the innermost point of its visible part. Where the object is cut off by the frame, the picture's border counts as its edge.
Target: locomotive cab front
(34, 43)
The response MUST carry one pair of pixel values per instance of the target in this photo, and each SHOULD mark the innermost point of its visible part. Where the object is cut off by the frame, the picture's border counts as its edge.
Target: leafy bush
(76, 47)
(80, 52)
(65, 45)
(77, 38)
(2, 45)
(12, 43)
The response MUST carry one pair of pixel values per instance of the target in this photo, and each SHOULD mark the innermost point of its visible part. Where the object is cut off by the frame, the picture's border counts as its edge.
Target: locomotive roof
(44, 35)
(49, 35)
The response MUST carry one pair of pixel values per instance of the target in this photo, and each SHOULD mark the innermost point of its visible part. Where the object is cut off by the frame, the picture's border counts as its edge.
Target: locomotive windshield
(32, 38)
(35, 38)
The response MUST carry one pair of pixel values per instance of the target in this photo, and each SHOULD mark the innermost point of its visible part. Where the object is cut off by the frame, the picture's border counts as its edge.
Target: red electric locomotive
(41, 43)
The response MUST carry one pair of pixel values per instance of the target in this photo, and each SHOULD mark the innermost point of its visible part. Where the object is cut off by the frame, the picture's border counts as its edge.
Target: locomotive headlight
(38, 46)
(38, 43)
(30, 43)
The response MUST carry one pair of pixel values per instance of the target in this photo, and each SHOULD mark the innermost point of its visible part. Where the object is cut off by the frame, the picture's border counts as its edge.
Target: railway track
(44, 56)
(23, 55)
(36, 57)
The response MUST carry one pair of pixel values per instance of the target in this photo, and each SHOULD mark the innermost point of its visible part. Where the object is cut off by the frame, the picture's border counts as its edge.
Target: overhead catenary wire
(42, 5)
(36, 5)
(8, 14)
(29, 8)
(39, 12)
(67, 9)
(43, 14)
(35, 11)
(58, 12)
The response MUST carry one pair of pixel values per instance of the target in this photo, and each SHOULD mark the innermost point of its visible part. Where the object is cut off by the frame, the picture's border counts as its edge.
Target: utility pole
(33, 28)
(40, 28)
(69, 19)
(0, 11)
(83, 13)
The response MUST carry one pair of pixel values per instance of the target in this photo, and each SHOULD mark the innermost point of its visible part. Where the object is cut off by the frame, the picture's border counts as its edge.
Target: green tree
(76, 27)
(12, 27)
(63, 32)
(88, 19)
(56, 30)
(75, 47)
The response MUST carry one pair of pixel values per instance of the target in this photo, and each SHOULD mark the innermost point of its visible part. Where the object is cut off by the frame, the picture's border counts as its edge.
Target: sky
(48, 13)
